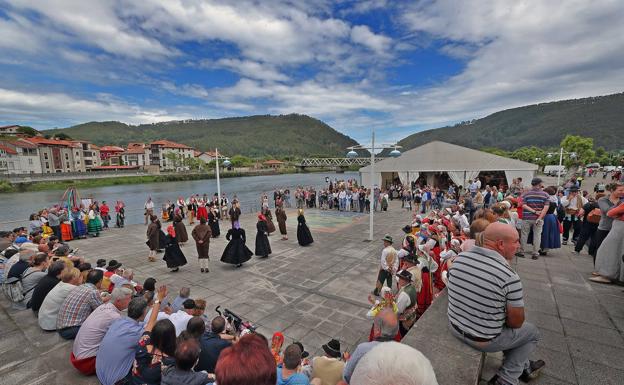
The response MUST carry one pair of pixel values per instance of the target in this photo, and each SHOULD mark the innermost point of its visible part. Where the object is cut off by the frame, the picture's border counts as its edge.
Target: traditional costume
(235, 213)
(95, 224)
(304, 236)
(280, 215)
(213, 222)
(153, 237)
(269, 220)
(66, 231)
(277, 341)
(263, 247)
(407, 303)
(180, 229)
(202, 212)
(121, 214)
(192, 210)
(173, 254)
(387, 301)
(78, 226)
(201, 234)
(236, 252)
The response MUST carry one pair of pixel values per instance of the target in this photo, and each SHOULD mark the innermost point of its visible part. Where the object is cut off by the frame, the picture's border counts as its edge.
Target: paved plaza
(319, 292)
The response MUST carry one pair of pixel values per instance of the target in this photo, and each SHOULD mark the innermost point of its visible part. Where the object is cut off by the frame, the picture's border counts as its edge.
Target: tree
(495, 151)
(581, 146)
(27, 131)
(62, 136)
(173, 158)
(531, 154)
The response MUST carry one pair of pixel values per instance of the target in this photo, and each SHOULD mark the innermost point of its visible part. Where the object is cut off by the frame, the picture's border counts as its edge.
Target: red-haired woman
(249, 361)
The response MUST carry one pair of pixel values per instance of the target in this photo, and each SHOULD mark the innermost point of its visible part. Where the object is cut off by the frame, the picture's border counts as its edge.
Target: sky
(397, 67)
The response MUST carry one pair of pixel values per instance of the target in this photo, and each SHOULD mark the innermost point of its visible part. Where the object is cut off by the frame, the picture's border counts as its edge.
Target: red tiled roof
(8, 149)
(170, 144)
(23, 143)
(41, 141)
(111, 149)
(11, 126)
(135, 150)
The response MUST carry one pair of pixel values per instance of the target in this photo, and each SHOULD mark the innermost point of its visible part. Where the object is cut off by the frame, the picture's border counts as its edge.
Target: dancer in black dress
(236, 252)
(173, 254)
(304, 237)
(213, 221)
(263, 247)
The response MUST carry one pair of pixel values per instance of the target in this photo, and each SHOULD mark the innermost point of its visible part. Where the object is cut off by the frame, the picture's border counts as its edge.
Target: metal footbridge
(336, 162)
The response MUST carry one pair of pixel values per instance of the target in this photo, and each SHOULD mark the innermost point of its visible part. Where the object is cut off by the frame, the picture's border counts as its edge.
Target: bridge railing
(336, 162)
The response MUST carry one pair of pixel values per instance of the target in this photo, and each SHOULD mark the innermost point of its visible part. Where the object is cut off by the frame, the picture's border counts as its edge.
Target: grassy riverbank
(7, 187)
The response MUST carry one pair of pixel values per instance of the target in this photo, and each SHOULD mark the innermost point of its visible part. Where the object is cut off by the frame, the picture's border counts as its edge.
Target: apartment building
(161, 148)
(57, 155)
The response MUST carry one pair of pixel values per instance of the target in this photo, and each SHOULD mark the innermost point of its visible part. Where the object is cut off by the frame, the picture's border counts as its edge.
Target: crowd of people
(126, 332)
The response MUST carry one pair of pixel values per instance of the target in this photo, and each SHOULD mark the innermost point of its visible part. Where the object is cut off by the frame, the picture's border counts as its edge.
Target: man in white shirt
(389, 264)
(181, 318)
(573, 206)
(70, 278)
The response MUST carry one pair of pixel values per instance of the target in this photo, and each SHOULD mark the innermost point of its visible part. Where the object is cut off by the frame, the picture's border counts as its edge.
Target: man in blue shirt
(116, 353)
(288, 373)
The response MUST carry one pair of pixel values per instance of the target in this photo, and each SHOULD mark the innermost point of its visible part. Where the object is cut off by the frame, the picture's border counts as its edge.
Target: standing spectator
(609, 263)
(79, 304)
(94, 329)
(535, 203)
(149, 209)
(573, 206)
(616, 190)
(481, 280)
(589, 225)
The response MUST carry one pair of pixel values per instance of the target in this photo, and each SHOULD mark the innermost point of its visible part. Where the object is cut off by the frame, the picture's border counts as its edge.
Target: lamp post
(226, 163)
(561, 154)
(395, 153)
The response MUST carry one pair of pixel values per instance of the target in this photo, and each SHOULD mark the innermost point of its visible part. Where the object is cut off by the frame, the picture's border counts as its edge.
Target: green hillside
(254, 136)
(541, 125)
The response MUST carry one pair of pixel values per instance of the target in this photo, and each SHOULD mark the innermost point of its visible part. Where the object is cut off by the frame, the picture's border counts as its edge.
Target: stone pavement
(319, 292)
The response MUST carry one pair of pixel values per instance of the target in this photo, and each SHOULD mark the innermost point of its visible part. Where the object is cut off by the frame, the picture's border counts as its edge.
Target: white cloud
(361, 34)
(249, 69)
(45, 108)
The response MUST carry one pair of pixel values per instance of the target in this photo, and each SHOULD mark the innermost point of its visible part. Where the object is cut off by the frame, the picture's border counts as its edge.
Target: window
(30, 162)
(77, 153)
(66, 156)
(47, 165)
(45, 155)
(67, 166)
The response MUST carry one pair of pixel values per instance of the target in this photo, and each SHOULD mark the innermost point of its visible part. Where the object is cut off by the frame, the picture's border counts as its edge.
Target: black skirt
(236, 252)
(263, 247)
(173, 254)
(304, 236)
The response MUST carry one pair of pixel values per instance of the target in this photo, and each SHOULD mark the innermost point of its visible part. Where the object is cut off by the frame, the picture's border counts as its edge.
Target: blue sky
(395, 66)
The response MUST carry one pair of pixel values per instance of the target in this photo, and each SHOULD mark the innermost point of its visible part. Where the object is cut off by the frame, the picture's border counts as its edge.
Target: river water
(16, 207)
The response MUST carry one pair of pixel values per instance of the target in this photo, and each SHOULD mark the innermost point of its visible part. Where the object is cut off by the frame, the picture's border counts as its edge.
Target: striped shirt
(78, 305)
(480, 286)
(536, 199)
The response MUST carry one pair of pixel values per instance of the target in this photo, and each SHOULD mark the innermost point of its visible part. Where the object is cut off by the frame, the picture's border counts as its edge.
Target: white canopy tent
(460, 163)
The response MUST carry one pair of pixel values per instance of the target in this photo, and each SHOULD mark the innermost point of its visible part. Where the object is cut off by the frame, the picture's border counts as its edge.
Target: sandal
(600, 279)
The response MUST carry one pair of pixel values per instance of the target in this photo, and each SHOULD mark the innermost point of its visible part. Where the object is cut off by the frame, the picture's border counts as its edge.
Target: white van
(554, 170)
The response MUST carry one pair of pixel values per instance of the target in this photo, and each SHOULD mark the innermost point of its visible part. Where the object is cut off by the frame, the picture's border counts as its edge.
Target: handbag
(594, 215)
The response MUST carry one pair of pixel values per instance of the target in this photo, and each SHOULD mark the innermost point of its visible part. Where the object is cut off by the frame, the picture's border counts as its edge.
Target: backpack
(14, 290)
(594, 216)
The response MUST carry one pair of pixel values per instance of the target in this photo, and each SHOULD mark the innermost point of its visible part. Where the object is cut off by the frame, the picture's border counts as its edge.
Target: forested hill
(255, 136)
(541, 125)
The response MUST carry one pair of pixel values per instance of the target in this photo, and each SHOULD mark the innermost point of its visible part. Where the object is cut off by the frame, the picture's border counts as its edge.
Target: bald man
(486, 307)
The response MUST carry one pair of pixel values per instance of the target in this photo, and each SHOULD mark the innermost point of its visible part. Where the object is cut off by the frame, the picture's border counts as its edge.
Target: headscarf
(236, 225)
(171, 231)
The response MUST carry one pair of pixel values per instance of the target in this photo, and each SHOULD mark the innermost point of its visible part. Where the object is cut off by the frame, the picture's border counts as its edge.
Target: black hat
(406, 275)
(100, 262)
(113, 265)
(332, 348)
(304, 354)
(411, 258)
(407, 229)
(189, 304)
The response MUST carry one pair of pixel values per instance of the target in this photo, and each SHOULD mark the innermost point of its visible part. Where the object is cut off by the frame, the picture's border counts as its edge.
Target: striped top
(480, 286)
(536, 199)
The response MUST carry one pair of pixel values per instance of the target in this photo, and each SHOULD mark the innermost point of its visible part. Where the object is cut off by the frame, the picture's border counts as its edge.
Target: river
(16, 207)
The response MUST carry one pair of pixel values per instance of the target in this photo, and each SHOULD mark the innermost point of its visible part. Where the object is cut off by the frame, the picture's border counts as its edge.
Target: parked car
(554, 170)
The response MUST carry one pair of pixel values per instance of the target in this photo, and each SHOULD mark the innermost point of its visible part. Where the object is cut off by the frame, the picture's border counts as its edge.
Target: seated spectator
(111, 270)
(176, 305)
(62, 253)
(19, 262)
(481, 280)
(195, 328)
(94, 328)
(84, 268)
(289, 371)
(181, 317)
(30, 278)
(123, 277)
(118, 348)
(79, 304)
(394, 363)
(200, 311)
(70, 279)
(186, 354)
(155, 351)
(385, 327)
(100, 264)
(211, 345)
(46, 284)
(250, 348)
(328, 368)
